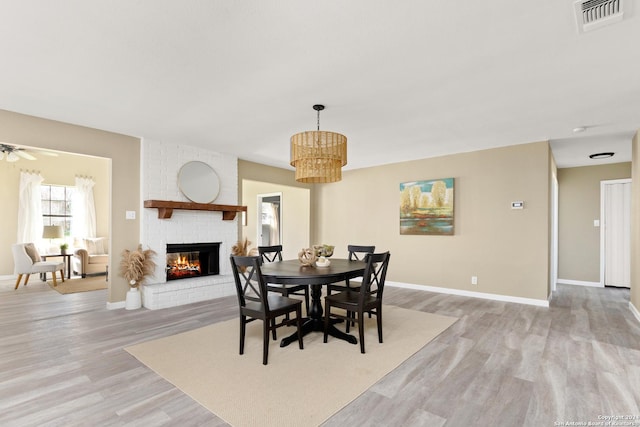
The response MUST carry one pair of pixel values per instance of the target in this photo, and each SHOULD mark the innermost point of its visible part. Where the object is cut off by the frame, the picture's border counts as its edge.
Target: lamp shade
(52, 232)
(318, 156)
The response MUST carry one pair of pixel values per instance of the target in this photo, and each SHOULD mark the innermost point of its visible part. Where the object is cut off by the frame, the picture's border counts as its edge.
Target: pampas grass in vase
(136, 265)
(241, 249)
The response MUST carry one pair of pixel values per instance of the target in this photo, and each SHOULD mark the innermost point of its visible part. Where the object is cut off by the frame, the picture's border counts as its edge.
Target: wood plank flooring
(501, 364)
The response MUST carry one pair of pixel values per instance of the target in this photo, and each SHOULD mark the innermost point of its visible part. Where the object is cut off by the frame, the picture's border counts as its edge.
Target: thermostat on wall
(517, 205)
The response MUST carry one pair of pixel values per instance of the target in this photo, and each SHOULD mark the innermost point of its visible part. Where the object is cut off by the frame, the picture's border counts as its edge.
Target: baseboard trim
(460, 292)
(115, 305)
(580, 283)
(635, 311)
(9, 276)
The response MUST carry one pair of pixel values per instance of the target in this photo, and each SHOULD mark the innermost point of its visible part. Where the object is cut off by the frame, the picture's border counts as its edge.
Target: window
(56, 206)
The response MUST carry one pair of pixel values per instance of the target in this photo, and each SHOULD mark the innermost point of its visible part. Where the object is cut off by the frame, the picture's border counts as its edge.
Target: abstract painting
(426, 207)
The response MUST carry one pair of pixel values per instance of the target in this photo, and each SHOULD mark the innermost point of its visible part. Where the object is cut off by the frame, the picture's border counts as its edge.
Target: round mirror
(198, 182)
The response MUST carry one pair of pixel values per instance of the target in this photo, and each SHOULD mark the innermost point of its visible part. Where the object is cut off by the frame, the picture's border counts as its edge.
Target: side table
(66, 258)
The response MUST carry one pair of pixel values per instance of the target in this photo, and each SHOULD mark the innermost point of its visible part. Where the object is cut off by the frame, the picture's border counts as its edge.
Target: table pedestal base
(315, 321)
(314, 325)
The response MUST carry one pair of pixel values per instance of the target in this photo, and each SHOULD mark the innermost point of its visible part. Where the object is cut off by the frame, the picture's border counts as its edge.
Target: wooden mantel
(166, 207)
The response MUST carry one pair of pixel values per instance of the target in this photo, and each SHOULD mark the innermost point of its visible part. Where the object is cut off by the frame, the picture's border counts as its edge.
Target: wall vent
(592, 14)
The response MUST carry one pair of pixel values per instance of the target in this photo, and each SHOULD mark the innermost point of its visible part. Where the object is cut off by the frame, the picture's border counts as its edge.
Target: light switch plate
(131, 215)
(596, 223)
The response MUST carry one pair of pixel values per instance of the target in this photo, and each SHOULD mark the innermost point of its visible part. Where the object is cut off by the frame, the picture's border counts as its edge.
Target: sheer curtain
(30, 222)
(83, 209)
(274, 225)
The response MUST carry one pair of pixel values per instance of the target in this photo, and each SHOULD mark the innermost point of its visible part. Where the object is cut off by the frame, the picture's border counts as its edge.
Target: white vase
(133, 301)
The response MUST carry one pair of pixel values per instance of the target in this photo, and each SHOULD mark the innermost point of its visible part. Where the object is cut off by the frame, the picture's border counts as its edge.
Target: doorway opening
(269, 219)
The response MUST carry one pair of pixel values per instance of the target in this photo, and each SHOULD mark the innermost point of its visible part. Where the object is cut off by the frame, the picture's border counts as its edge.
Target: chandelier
(318, 156)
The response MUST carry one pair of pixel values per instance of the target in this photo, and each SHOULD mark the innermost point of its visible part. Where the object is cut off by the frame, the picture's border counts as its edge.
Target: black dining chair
(356, 253)
(256, 304)
(274, 254)
(367, 300)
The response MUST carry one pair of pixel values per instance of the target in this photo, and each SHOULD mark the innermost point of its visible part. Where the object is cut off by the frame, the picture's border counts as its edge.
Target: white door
(616, 232)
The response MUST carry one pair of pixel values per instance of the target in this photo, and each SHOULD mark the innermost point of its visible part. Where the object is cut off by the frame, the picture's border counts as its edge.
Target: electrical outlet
(474, 280)
(130, 214)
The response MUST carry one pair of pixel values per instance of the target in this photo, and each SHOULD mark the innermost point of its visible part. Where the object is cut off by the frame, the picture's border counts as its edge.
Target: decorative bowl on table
(323, 262)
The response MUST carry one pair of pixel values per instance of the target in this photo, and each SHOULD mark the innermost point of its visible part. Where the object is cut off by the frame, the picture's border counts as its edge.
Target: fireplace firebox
(185, 260)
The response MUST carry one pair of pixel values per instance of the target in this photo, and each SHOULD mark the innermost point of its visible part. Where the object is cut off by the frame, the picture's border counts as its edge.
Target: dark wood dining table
(292, 272)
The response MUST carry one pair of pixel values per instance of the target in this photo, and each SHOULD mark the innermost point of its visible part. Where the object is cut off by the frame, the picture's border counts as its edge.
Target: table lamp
(52, 232)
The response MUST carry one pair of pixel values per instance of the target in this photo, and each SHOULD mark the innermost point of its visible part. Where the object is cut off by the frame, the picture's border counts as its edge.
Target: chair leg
(243, 330)
(61, 275)
(361, 331)
(285, 293)
(26, 280)
(55, 281)
(306, 300)
(265, 342)
(273, 329)
(18, 281)
(379, 319)
(299, 319)
(327, 310)
(351, 315)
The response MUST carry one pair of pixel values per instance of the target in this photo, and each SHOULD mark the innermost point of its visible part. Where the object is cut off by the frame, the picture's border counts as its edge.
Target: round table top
(292, 271)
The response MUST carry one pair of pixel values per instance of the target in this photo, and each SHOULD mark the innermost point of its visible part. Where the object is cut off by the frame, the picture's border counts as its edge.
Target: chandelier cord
(318, 119)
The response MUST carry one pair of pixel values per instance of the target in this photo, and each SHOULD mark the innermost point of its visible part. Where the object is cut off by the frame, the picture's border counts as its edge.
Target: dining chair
(255, 303)
(356, 253)
(367, 300)
(27, 261)
(274, 254)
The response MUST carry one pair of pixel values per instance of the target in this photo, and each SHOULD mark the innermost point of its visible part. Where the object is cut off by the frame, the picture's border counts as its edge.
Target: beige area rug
(71, 286)
(297, 387)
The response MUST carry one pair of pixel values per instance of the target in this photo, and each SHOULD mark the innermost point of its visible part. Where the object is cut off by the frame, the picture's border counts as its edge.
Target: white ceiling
(401, 79)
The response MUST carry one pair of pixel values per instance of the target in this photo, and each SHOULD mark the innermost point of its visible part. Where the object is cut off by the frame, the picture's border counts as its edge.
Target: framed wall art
(426, 207)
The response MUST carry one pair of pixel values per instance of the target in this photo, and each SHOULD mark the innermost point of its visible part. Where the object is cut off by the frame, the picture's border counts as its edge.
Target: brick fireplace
(160, 165)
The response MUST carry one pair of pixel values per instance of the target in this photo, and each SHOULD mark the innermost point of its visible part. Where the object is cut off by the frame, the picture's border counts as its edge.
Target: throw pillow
(31, 250)
(95, 245)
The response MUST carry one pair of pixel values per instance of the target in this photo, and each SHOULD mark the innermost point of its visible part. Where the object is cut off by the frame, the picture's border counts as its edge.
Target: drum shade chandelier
(318, 156)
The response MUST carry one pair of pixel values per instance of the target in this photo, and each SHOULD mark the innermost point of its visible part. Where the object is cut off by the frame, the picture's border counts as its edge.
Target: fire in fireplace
(186, 260)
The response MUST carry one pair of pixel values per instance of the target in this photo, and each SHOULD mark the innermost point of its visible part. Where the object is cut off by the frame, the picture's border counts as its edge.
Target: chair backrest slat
(357, 252)
(270, 253)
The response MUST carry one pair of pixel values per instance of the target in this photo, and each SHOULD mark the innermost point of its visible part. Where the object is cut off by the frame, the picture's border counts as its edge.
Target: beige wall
(60, 170)
(635, 223)
(579, 206)
(124, 152)
(295, 210)
(508, 250)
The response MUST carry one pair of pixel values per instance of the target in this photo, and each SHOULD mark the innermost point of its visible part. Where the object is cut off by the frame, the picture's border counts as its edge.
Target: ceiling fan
(13, 153)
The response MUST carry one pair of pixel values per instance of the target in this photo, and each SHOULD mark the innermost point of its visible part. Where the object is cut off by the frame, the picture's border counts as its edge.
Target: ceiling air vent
(592, 14)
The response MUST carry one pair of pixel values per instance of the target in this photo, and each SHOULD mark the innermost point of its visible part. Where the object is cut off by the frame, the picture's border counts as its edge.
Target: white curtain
(274, 225)
(83, 209)
(30, 222)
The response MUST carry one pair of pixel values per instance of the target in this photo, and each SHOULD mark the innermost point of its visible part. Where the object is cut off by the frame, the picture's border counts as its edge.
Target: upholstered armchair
(27, 261)
(90, 256)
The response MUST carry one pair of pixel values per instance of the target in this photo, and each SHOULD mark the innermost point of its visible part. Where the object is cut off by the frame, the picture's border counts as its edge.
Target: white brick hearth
(186, 291)
(160, 165)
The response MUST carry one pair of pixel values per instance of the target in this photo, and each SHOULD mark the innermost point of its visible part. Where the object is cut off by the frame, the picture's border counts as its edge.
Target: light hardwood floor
(62, 362)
